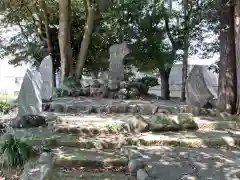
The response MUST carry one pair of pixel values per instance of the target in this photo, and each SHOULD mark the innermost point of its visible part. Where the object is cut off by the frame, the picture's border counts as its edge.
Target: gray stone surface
(199, 90)
(40, 169)
(46, 68)
(112, 105)
(29, 98)
(187, 163)
(116, 67)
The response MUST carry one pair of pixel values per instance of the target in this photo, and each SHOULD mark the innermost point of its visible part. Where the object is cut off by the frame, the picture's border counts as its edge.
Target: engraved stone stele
(116, 66)
(199, 87)
(46, 70)
(29, 98)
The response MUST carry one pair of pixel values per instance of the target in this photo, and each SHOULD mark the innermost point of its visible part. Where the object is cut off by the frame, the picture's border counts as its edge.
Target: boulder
(143, 89)
(133, 92)
(163, 122)
(112, 108)
(123, 108)
(123, 91)
(58, 108)
(95, 83)
(147, 109)
(135, 164)
(29, 121)
(94, 91)
(123, 84)
(103, 90)
(138, 124)
(122, 94)
(85, 83)
(133, 108)
(112, 95)
(113, 85)
(186, 121)
(85, 91)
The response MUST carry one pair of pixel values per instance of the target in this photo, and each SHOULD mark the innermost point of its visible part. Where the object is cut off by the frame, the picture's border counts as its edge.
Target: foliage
(13, 152)
(71, 83)
(5, 107)
(139, 23)
(149, 81)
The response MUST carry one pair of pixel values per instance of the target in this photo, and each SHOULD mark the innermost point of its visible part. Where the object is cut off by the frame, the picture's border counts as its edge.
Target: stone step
(92, 158)
(208, 124)
(89, 174)
(99, 105)
(93, 125)
(47, 137)
(183, 163)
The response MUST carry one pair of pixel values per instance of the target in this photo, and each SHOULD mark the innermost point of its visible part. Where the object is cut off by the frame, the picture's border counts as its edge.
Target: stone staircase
(83, 142)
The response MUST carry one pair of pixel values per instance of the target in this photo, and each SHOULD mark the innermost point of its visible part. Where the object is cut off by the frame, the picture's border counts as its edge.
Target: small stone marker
(117, 54)
(29, 98)
(46, 68)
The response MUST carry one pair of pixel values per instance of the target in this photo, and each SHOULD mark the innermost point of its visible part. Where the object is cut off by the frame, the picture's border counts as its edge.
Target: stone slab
(40, 169)
(189, 163)
(73, 157)
(38, 136)
(90, 174)
(29, 98)
(46, 68)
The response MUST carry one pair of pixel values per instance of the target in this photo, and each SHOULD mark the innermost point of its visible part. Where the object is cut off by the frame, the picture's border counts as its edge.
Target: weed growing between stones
(13, 152)
(162, 118)
(5, 107)
(113, 128)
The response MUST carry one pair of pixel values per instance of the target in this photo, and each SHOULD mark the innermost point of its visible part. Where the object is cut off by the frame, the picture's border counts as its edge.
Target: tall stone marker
(46, 70)
(116, 67)
(29, 98)
(199, 87)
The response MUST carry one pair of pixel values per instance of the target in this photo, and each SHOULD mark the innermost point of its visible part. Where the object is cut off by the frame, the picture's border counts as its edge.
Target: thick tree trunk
(165, 92)
(227, 71)
(64, 37)
(86, 38)
(237, 48)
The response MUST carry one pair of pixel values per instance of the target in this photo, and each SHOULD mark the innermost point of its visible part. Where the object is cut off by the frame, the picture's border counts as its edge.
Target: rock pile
(109, 89)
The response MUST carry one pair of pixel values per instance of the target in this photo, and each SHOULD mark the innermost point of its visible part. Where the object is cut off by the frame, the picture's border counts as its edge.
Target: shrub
(149, 81)
(13, 152)
(5, 107)
(71, 82)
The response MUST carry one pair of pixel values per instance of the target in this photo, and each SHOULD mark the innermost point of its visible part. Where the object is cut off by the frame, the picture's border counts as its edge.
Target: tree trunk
(49, 38)
(64, 37)
(227, 71)
(86, 38)
(185, 49)
(165, 92)
(237, 48)
(70, 60)
(185, 68)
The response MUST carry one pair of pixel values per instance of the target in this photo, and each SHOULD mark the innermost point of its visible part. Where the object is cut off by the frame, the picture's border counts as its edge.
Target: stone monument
(199, 88)
(116, 67)
(46, 70)
(29, 98)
